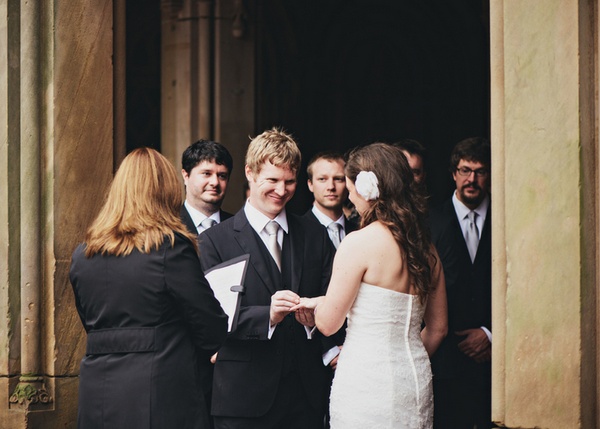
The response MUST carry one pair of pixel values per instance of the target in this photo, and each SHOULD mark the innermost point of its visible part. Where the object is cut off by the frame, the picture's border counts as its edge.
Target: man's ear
(249, 174)
(310, 186)
(185, 176)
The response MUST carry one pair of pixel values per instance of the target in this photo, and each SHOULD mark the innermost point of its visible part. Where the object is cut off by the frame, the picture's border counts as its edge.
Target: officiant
(270, 372)
(146, 307)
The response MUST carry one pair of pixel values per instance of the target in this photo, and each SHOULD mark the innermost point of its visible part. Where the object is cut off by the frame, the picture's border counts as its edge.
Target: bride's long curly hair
(401, 206)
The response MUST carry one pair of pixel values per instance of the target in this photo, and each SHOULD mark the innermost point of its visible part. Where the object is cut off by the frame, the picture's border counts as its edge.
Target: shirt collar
(258, 220)
(197, 216)
(462, 211)
(326, 220)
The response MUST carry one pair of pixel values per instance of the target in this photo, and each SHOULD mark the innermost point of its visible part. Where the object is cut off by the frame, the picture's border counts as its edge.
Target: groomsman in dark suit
(270, 373)
(206, 168)
(327, 182)
(461, 233)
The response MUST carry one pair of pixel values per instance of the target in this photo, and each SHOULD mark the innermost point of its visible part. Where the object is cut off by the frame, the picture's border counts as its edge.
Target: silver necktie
(333, 229)
(272, 227)
(472, 235)
(207, 223)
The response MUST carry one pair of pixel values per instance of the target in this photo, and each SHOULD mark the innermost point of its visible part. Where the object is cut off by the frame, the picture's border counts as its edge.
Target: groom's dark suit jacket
(249, 366)
(468, 286)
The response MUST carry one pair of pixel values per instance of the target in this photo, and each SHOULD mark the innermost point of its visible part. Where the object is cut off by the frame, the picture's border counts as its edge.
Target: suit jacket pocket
(235, 352)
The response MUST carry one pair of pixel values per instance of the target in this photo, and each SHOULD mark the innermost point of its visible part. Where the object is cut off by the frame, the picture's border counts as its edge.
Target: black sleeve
(200, 309)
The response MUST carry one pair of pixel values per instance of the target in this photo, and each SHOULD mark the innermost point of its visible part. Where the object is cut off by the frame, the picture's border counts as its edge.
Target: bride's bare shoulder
(369, 235)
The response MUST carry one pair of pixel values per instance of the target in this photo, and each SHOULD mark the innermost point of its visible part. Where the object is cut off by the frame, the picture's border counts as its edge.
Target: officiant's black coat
(249, 366)
(146, 316)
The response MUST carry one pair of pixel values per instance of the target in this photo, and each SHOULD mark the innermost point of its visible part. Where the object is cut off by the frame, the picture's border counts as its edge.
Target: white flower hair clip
(366, 185)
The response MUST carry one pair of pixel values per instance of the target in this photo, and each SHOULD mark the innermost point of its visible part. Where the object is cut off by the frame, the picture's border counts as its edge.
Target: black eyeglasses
(466, 171)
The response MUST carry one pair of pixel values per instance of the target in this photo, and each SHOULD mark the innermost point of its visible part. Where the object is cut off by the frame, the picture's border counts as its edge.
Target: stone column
(31, 393)
(56, 160)
(176, 91)
(545, 205)
(235, 81)
(10, 326)
(208, 81)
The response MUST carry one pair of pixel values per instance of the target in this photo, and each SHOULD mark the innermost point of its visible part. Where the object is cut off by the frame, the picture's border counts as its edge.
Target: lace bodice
(383, 378)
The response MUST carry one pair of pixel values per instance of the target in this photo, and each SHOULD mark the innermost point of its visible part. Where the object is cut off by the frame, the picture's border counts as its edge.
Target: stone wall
(56, 160)
(545, 208)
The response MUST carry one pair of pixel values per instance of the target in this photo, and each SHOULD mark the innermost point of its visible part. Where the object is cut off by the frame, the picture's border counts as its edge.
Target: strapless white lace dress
(383, 376)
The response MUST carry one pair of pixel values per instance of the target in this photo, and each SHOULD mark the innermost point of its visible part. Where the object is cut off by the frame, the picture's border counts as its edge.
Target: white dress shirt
(198, 217)
(258, 221)
(462, 211)
(326, 220)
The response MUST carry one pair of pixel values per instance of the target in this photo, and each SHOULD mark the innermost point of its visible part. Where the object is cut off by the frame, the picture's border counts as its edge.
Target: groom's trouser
(291, 410)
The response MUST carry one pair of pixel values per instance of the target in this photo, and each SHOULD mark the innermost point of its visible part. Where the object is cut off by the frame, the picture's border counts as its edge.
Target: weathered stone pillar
(31, 393)
(235, 81)
(56, 160)
(10, 326)
(208, 80)
(177, 73)
(545, 203)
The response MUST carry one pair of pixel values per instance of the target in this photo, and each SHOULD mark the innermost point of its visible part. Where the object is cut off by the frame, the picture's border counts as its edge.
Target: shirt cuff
(330, 354)
(487, 332)
(310, 331)
(271, 330)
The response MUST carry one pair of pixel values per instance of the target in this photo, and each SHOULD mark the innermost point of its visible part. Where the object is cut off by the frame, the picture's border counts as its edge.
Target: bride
(387, 279)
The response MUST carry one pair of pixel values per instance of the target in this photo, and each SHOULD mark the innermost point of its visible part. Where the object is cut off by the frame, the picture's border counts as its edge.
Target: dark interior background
(337, 74)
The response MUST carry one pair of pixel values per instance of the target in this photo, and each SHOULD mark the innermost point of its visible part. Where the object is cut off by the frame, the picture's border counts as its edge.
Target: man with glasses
(461, 233)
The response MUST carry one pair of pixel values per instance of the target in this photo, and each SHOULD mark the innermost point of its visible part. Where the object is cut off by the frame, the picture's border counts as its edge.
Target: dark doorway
(143, 24)
(343, 73)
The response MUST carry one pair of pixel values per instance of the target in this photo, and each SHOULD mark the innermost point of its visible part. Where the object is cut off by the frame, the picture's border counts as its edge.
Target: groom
(270, 373)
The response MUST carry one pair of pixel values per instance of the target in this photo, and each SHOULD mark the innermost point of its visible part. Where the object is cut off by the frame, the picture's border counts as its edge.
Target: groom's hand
(281, 303)
(305, 317)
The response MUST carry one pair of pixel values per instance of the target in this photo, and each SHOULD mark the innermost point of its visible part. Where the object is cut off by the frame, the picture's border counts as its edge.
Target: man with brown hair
(461, 232)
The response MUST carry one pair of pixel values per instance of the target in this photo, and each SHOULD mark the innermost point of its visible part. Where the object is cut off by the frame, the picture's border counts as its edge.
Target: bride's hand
(307, 303)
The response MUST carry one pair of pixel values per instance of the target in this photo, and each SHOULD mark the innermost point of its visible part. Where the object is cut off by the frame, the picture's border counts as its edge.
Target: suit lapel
(486, 236)
(296, 248)
(187, 221)
(248, 240)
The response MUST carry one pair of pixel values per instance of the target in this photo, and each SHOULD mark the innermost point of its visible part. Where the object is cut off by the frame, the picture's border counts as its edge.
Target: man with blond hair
(327, 182)
(270, 372)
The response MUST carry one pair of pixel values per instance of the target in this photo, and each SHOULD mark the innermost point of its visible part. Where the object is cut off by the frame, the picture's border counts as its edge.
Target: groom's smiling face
(271, 188)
